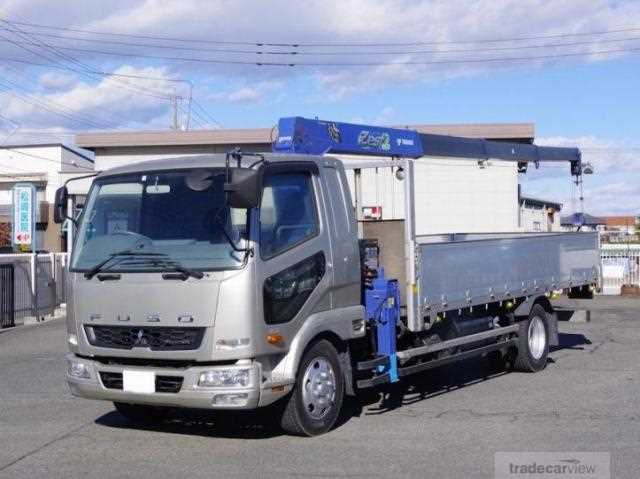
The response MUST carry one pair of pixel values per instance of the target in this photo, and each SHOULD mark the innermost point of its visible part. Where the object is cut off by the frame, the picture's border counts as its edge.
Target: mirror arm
(70, 218)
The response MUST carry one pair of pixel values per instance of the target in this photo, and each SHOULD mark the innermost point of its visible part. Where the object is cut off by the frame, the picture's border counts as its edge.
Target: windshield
(180, 215)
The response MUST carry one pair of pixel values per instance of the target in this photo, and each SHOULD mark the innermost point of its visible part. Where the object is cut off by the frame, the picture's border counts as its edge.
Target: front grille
(111, 380)
(156, 338)
(168, 384)
(164, 384)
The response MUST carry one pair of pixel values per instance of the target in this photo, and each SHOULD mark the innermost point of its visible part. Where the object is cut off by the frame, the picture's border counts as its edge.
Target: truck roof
(201, 161)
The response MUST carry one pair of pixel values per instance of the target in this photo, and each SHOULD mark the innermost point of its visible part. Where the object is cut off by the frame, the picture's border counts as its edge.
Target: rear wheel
(314, 405)
(533, 341)
(141, 413)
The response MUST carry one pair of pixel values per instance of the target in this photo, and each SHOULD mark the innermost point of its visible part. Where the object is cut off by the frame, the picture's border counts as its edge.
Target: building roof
(620, 220)
(71, 149)
(92, 141)
(529, 200)
(489, 131)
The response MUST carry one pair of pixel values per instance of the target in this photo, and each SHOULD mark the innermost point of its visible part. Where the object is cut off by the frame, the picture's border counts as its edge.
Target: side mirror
(60, 205)
(244, 188)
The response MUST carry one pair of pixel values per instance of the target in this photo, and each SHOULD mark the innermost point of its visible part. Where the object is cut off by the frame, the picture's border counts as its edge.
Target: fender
(524, 309)
(339, 322)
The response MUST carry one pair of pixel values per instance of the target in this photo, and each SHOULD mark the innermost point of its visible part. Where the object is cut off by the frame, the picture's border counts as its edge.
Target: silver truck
(247, 281)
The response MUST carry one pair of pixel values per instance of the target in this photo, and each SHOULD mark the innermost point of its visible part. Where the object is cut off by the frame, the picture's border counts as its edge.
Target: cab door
(294, 274)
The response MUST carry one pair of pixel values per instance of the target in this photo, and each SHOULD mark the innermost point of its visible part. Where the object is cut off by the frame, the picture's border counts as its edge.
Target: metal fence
(7, 313)
(38, 283)
(620, 265)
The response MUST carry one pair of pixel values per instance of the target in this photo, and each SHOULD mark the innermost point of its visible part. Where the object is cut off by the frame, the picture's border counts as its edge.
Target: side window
(287, 213)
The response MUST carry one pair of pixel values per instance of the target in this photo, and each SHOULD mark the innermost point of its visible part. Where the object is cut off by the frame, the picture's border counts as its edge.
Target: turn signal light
(274, 338)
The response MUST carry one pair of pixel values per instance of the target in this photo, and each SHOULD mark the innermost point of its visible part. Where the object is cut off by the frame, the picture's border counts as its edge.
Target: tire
(142, 414)
(533, 341)
(307, 413)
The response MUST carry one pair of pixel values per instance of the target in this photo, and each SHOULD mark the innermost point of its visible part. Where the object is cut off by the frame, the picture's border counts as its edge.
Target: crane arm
(317, 137)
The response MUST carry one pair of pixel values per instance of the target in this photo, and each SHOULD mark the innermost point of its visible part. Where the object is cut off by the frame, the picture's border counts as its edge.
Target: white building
(46, 166)
(453, 195)
(539, 215)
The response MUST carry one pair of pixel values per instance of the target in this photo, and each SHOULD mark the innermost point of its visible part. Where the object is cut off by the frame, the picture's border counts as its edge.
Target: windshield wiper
(178, 268)
(121, 255)
(171, 265)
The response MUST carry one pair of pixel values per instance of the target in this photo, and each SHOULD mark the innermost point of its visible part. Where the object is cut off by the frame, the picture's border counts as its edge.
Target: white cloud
(607, 156)
(604, 194)
(381, 22)
(614, 187)
(56, 80)
(255, 93)
(107, 103)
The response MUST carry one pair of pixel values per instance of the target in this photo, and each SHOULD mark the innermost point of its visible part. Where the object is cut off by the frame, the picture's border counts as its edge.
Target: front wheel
(314, 405)
(533, 341)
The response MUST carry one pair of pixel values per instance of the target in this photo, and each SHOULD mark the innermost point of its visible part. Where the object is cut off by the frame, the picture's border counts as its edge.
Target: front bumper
(189, 395)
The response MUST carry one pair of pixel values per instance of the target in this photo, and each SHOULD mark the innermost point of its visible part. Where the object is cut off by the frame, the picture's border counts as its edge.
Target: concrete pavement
(447, 423)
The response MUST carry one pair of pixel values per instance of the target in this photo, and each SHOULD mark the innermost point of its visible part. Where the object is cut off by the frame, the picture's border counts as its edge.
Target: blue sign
(317, 137)
(24, 214)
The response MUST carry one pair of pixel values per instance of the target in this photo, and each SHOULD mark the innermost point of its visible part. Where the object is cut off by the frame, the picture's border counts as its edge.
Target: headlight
(72, 339)
(233, 343)
(78, 370)
(225, 378)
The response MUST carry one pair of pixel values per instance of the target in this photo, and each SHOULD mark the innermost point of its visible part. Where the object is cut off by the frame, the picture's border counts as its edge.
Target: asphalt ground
(444, 423)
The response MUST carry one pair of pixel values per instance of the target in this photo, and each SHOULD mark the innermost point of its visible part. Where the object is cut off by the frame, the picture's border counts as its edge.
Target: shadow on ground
(261, 424)
(571, 341)
(230, 424)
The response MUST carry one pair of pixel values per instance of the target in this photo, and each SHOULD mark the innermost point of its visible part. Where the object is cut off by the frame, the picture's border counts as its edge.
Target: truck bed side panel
(479, 269)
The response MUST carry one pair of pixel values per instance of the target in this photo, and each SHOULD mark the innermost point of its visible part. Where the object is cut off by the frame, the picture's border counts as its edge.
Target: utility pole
(174, 105)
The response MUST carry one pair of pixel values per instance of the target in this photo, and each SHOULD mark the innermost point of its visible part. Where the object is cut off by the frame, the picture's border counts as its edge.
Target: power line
(207, 118)
(8, 119)
(47, 58)
(329, 44)
(205, 113)
(32, 155)
(85, 69)
(47, 105)
(334, 53)
(354, 64)
(95, 72)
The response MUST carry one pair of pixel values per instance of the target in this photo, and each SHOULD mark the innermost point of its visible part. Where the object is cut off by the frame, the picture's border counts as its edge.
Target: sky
(572, 68)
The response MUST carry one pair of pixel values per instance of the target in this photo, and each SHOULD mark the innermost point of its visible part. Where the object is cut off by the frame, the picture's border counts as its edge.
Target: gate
(7, 296)
(620, 266)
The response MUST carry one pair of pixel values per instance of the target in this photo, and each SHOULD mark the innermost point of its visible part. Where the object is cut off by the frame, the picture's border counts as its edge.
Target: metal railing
(620, 266)
(38, 283)
(7, 313)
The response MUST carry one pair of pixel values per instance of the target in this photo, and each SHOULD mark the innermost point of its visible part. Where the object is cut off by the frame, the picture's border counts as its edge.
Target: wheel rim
(318, 388)
(537, 337)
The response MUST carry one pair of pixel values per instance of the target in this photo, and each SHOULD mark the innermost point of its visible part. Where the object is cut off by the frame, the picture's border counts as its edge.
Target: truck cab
(181, 298)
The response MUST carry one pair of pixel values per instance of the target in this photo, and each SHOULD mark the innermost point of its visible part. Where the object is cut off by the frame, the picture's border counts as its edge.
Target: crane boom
(312, 136)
